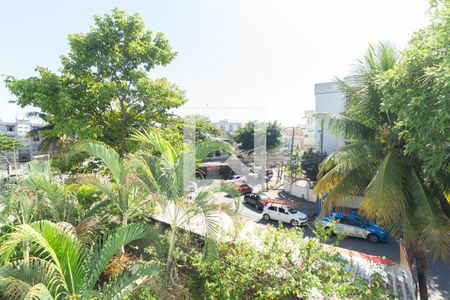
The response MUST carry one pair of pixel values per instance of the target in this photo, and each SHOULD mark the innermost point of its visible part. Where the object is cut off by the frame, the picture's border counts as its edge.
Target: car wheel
(373, 238)
(266, 217)
(294, 222)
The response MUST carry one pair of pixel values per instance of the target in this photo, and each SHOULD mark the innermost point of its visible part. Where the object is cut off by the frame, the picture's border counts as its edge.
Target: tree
(374, 164)
(203, 127)
(103, 89)
(120, 185)
(8, 143)
(167, 173)
(61, 267)
(246, 135)
(37, 195)
(417, 91)
(294, 168)
(310, 162)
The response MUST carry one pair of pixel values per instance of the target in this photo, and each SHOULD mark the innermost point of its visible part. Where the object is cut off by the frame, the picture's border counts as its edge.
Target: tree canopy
(310, 161)
(103, 89)
(8, 143)
(246, 135)
(417, 90)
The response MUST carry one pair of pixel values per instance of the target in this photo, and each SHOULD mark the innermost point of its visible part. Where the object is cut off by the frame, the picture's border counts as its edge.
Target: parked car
(256, 200)
(280, 212)
(354, 225)
(238, 179)
(244, 188)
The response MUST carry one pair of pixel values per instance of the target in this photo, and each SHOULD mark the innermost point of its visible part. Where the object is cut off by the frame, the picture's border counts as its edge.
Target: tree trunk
(171, 249)
(124, 223)
(422, 269)
(423, 289)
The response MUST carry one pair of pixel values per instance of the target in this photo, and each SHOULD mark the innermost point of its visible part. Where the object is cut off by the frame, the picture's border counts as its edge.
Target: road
(439, 275)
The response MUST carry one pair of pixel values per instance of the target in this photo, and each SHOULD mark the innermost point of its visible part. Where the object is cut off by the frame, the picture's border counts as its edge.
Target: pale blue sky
(232, 54)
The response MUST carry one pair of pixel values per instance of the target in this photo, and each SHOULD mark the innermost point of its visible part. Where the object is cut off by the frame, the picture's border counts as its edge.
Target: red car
(244, 188)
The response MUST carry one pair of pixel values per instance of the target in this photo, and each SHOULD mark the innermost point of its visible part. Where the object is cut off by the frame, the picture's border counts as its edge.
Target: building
(289, 135)
(20, 130)
(309, 130)
(329, 99)
(227, 127)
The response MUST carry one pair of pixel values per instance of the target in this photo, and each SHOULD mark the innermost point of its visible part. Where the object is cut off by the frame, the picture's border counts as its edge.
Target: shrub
(286, 266)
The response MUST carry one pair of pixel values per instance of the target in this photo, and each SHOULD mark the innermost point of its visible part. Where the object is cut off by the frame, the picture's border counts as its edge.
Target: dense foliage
(103, 89)
(8, 143)
(417, 92)
(376, 164)
(245, 135)
(283, 266)
(310, 161)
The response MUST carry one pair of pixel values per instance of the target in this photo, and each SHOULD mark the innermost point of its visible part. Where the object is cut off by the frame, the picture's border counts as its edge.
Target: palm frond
(111, 244)
(430, 221)
(128, 279)
(346, 127)
(102, 151)
(27, 278)
(49, 242)
(208, 146)
(385, 197)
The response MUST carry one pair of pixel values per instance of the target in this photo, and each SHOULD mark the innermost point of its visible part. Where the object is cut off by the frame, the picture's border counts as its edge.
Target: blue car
(353, 225)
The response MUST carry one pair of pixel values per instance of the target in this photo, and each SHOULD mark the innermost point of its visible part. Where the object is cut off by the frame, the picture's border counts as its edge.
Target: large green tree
(246, 135)
(417, 90)
(396, 192)
(103, 88)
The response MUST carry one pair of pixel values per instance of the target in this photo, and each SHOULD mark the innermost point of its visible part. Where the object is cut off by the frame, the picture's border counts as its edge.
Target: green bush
(279, 271)
(86, 194)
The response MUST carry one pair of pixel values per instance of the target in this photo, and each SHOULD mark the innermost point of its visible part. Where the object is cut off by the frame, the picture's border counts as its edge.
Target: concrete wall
(330, 100)
(299, 189)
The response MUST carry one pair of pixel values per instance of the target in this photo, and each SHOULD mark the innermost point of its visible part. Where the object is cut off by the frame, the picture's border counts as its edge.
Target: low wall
(300, 189)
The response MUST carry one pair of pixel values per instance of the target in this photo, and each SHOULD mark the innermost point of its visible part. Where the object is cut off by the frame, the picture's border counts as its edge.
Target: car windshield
(263, 196)
(293, 210)
(362, 220)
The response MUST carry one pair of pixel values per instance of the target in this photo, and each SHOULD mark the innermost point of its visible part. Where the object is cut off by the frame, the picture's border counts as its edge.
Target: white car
(286, 214)
(238, 179)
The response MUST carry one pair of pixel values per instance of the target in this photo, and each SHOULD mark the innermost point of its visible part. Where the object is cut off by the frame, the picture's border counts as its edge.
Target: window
(281, 210)
(272, 208)
(292, 211)
(10, 128)
(350, 222)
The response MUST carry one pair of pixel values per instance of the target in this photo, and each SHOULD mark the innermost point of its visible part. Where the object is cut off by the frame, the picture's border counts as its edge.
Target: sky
(237, 59)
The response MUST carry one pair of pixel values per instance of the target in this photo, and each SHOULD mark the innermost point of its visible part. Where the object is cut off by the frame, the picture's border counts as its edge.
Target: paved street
(439, 272)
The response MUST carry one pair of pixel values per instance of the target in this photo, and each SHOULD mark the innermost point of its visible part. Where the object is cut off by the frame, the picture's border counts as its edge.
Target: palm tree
(168, 174)
(373, 163)
(121, 186)
(38, 195)
(61, 267)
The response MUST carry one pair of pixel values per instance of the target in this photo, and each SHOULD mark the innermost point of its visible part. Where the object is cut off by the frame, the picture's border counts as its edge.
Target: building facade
(328, 99)
(20, 130)
(227, 127)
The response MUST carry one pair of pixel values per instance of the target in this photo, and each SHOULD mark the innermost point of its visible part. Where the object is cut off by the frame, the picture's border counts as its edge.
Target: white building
(309, 130)
(19, 130)
(329, 99)
(227, 127)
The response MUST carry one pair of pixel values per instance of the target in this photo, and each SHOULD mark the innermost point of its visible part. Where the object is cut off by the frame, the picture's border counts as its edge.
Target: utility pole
(290, 159)
(321, 136)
